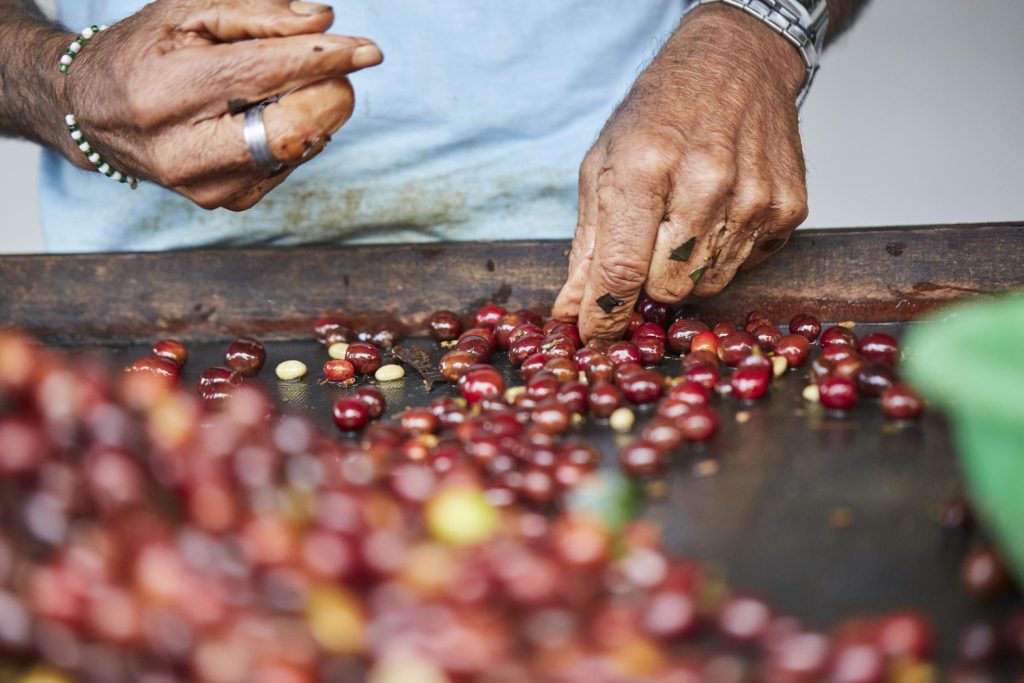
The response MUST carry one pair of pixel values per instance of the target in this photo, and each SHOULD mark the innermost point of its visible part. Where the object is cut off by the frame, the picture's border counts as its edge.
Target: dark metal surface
(767, 518)
(872, 275)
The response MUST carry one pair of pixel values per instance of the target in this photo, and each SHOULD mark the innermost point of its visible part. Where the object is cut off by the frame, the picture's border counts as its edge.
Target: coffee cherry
(900, 402)
(705, 374)
(568, 331)
(573, 396)
(849, 368)
(704, 341)
(523, 347)
(480, 381)
(700, 423)
(652, 350)
(339, 370)
(807, 326)
(172, 350)
(489, 315)
(723, 329)
(600, 369)
(670, 614)
(837, 353)
(216, 384)
(476, 346)
(979, 642)
(156, 366)
(905, 635)
(640, 459)
(858, 662)
(880, 347)
(533, 365)
(624, 352)
(794, 348)
(332, 329)
(875, 378)
(690, 392)
(743, 618)
(444, 326)
(604, 399)
(838, 336)
(647, 330)
(756, 319)
(418, 421)
(245, 356)
(454, 363)
(750, 383)
(643, 386)
(365, 358)
(983, 573)
(374, 400)
(662, 433)
(351, 414)
(837, 393)
(955, 514)
(681, 334)
(767, 336)
(503, 330)
(652, 311)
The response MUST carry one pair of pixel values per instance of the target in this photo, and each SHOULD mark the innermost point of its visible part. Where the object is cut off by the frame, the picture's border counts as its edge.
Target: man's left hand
(698, 173)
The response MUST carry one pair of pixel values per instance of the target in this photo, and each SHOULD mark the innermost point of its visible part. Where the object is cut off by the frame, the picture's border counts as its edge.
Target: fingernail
(309, 8)
(367, 55)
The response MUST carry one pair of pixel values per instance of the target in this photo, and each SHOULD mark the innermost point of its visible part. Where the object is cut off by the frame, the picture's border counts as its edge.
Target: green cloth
(969, 361)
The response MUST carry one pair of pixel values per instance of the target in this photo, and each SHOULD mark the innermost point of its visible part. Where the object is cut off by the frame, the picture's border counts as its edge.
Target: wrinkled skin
(160, 94)
(703, 158)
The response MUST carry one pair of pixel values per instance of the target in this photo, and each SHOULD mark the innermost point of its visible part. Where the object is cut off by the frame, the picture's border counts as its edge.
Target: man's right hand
(161, 94)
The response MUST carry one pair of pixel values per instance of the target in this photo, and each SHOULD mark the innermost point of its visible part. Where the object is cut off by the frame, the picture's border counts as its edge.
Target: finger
(266, 68)
(241, 20)
(687, 239)
(631, 192)
(206, 82)
(787, 211)
(567, 305)
(236, 191)
(748, 205)
(296, 125)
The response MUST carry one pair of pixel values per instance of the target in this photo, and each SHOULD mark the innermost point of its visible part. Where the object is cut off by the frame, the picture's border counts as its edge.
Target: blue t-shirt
(473, 128)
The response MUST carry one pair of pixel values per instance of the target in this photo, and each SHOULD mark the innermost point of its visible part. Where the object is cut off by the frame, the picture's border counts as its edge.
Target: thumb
(246, 19)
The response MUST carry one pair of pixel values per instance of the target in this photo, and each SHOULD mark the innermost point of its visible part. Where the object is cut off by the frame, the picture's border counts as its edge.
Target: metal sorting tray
(828, 516)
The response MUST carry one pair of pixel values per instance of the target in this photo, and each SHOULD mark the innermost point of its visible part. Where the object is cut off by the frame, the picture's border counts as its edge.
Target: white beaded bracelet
(76, 134)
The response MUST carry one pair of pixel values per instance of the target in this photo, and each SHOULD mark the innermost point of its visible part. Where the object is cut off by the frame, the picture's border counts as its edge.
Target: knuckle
(712, 170)
(714, 282)
(791, 207)
(668, 292)
(623, 276)
(205, 199)
(637, 160)
(751, 200)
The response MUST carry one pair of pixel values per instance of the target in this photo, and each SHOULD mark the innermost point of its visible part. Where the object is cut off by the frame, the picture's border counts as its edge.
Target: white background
(917, 117)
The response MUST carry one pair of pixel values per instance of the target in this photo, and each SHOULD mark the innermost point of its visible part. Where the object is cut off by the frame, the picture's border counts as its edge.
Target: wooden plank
(870, 275)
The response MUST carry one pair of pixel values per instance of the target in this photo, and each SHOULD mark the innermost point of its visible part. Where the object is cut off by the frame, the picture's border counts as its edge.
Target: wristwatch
(801, 22)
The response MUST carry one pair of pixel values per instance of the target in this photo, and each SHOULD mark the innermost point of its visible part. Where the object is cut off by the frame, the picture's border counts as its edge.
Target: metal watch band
(804, 28)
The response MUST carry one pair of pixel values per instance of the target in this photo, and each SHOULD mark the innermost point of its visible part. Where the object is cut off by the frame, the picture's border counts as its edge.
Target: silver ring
(255, 133)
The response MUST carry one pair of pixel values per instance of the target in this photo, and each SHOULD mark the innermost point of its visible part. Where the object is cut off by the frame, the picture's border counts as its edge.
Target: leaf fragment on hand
(698, 274)
(683, 251)
(609, 303)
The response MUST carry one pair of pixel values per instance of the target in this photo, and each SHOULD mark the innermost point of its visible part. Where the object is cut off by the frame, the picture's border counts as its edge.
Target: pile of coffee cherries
(566, 379)
(155, 535)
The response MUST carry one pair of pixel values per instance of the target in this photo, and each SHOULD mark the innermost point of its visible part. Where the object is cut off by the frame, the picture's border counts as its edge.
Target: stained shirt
(473, 128)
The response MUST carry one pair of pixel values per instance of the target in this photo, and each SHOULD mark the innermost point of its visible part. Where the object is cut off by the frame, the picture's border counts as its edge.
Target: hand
(698, 173)
(160, 95)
